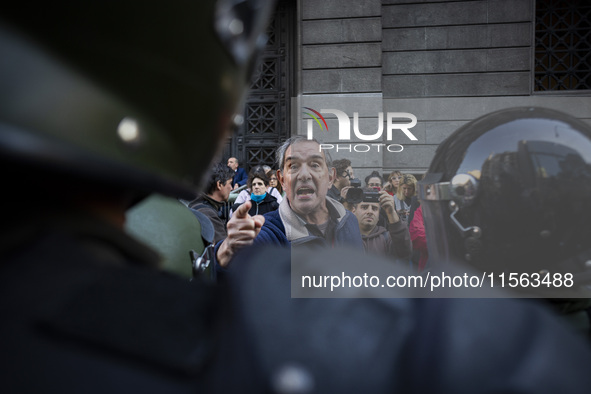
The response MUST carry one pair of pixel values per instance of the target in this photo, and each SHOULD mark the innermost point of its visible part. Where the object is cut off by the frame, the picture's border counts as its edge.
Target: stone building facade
(445, 62)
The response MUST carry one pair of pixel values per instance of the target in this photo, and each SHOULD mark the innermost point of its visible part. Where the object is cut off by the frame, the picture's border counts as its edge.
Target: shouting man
(305, 217)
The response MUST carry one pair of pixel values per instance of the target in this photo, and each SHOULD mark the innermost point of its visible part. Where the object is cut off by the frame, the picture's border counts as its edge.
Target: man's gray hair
(280, 154)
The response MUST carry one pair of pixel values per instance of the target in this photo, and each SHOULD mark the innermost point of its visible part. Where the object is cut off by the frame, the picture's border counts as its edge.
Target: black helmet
(511, 191)
(136, 94)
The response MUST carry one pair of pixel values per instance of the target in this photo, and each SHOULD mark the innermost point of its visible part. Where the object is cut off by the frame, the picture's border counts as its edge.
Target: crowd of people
(100, 103)
(323, 198)
(325, 205)
(384, 214)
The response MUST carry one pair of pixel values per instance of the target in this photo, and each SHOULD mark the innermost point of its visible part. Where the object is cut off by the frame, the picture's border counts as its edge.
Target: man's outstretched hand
(242, 230)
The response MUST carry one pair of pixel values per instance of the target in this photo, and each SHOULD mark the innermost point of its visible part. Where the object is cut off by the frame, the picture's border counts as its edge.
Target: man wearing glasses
(344, 173)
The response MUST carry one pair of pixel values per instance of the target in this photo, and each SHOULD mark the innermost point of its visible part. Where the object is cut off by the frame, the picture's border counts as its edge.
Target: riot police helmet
(510, 192)
(136, 95)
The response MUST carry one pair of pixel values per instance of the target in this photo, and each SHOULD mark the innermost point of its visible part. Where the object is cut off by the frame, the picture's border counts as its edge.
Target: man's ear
(219, 185)
(280, 178)
(332, 175)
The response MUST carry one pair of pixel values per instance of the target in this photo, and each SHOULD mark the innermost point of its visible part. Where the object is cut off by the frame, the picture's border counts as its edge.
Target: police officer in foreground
(104, 103)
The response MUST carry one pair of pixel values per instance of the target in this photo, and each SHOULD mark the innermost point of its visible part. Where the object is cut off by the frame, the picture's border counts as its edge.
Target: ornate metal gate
(563, 45)
(266, 115)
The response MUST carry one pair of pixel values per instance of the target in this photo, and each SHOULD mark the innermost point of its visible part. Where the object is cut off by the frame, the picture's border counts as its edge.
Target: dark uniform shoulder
(79, 303)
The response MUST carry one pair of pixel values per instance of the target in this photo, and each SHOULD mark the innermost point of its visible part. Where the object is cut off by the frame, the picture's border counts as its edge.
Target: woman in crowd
(244, 195)
(262, 201)
(407, 191)
(374, 180)
(393, 182)
(419, 240)
(274, 184)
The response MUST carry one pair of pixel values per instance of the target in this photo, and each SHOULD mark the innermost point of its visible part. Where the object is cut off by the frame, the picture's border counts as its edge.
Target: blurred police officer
(101, 104)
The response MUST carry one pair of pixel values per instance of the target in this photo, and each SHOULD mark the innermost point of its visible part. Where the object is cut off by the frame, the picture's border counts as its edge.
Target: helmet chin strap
(472, 234)
(476, 231)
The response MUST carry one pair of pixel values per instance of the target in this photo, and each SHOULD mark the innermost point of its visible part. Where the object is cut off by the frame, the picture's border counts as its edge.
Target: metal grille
(562, 52)
(260, 156)
(271, 33)
(266, 113)
(265, 76)
(261, 118)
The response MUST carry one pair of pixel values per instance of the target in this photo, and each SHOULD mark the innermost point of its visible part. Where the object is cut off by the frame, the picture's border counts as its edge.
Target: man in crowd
(393, 241)
(240, 176)
(213, 202)
(344, 174)
(305, 216)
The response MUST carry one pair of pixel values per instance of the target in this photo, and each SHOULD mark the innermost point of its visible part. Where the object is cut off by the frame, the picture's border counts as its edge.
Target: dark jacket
(84, 310)
(268, 204)
(284, 227)
(216, 211)
(334, 193)
(240, 177)
(393, 241)
(402, 345)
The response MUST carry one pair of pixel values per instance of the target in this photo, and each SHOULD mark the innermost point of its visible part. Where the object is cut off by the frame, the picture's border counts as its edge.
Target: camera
(356, 194)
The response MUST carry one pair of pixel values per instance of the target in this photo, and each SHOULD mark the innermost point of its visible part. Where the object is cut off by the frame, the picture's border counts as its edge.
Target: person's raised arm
(401, 244)
(242, 230)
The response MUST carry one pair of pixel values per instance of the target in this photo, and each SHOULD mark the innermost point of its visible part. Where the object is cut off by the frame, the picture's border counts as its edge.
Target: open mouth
(305, 191)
